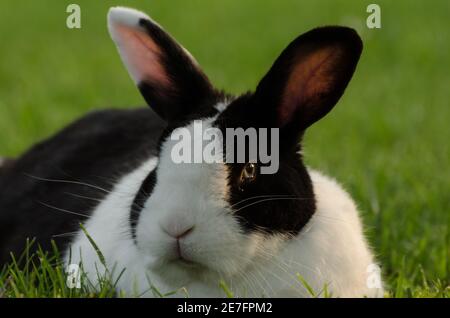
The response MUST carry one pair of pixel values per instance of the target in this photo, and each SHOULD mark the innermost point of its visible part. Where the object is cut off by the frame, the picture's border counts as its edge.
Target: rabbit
(153, 224)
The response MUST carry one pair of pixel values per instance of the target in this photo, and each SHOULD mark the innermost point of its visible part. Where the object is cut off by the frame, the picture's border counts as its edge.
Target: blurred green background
(387, 141)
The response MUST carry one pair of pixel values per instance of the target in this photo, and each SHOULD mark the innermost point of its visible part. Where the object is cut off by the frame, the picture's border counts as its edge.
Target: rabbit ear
(167, 75)
(310, 76)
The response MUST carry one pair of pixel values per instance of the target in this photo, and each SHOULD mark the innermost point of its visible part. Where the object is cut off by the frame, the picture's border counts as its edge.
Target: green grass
(387, 141)
(40, 275)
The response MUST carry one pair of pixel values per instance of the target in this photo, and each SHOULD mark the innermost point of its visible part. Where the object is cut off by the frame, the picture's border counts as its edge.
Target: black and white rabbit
(174, 225)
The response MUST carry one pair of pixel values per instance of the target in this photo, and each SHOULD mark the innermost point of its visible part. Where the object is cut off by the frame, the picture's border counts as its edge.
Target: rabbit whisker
(63, 210)
(69, 182)
(270, 199)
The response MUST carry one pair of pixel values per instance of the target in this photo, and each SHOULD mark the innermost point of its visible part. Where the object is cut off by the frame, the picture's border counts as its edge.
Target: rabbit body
(158, 226)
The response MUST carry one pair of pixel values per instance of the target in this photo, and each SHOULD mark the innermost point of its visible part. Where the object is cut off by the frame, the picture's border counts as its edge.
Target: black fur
(142, 196)
(94, 152)
(289, 199)
(189, 88)
(5, 163)
(273, 203)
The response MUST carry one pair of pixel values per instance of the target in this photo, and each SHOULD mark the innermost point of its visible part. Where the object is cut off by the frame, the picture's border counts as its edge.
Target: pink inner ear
(310, 79)
(141, 55)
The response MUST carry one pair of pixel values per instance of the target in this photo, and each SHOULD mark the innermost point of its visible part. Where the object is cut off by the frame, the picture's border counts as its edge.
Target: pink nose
(183, 233)
(179, 233)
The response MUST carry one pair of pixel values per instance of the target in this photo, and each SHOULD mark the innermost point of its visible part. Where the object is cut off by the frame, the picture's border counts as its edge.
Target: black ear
(168, 77)
(309, 77)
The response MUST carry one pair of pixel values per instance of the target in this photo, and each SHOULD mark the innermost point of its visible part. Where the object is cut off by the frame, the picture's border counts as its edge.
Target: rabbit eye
(248, 174)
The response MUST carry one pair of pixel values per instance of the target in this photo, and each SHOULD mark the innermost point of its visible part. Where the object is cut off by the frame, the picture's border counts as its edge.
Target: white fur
(331, 250)
(220, 107)
(125, 16)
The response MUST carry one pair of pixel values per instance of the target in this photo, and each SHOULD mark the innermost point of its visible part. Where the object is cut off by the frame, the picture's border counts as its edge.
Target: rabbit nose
(183, 233)
(178, 232)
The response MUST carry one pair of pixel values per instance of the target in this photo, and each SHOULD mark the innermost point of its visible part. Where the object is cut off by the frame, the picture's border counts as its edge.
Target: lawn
(387, 141)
